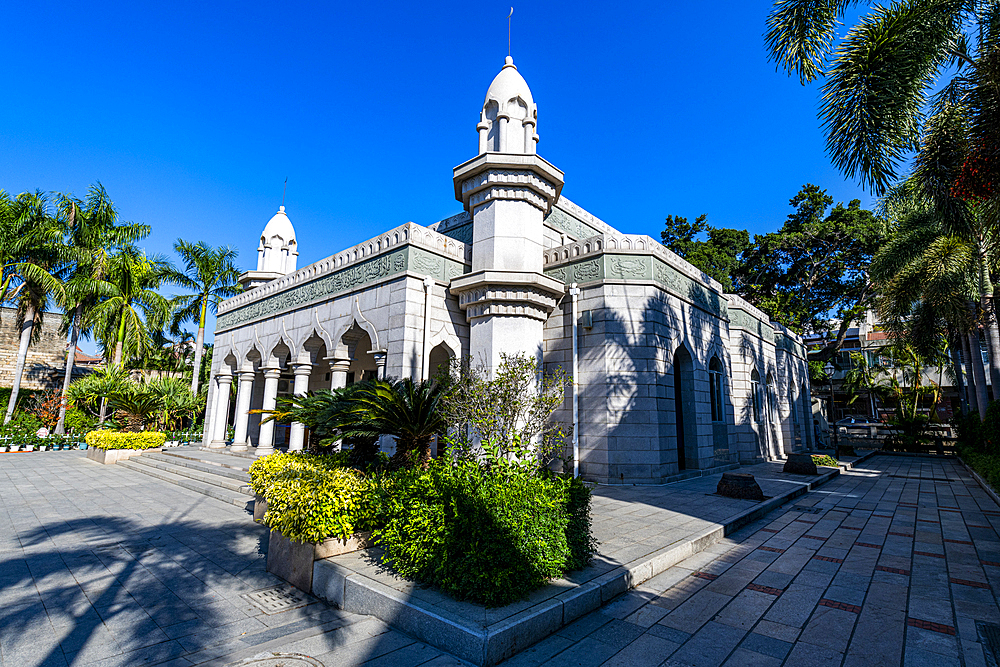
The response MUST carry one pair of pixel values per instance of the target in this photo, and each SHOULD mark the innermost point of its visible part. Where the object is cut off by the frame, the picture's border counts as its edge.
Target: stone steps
(195, 476)
(240, 474)
(212, 457)
(228, 483)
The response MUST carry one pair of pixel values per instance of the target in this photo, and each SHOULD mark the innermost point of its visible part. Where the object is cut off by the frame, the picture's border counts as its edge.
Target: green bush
(491, 536)
(824, 460)
(987, 465)
(79, 421)
(311, 504)
(104, 439)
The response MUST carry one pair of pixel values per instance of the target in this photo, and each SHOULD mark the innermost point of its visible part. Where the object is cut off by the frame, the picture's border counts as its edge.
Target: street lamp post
(829, 368)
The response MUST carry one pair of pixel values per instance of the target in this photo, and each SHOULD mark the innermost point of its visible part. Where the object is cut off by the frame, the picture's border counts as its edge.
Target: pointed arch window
(715, 389)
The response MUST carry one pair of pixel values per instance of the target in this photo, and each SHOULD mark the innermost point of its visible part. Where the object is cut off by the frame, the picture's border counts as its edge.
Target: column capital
(271, 373)
(302, 369)
(224, 378)
(338, 363)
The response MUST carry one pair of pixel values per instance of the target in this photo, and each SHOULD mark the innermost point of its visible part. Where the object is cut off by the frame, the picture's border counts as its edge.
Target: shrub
(309, 497)
(824, 460)
(582, 546)
(987, 465)
(79, 421)
(311, 505)
(489, 536)
(104, 439)
(22, 429)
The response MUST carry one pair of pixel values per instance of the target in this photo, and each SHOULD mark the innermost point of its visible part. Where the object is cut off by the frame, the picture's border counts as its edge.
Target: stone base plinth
(110, 456)
(293, 561)
(800, 464)
(740, 485)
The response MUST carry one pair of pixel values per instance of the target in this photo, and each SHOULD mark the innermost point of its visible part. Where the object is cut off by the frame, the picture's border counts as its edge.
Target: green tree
(878, 79)
(815, 266)
(211, 274)
(34, 259)
(126, 318)
(93, 229)
(718, 255)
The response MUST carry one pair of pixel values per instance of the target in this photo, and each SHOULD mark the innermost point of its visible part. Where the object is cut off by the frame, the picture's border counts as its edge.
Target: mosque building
(673, 377)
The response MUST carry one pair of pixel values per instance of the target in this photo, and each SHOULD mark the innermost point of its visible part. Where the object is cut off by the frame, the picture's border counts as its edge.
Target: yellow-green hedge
(115, 440)
(309, 497)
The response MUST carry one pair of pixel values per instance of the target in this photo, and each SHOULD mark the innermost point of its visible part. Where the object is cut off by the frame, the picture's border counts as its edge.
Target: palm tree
(94, 230)
(33, 259)
(126, 318)
(212, 275)
(410, 411)
(878, 78)
(930, 283)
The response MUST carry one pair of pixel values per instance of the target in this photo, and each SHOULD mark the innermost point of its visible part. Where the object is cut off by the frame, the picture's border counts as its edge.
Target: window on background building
(715, 389)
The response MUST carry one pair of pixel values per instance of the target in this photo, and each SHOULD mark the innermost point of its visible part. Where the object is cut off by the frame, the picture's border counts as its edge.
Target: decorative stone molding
(495, 176)
(639, 267)
(620, 244)
(507, 293)
(361, 275)
(408, 234)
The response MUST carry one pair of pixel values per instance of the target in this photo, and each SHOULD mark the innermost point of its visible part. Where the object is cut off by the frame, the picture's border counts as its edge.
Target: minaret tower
(507, 189)
(277, 253)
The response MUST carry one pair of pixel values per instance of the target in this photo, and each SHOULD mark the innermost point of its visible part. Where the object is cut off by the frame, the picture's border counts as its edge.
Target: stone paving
(105, 566)
(889, 564)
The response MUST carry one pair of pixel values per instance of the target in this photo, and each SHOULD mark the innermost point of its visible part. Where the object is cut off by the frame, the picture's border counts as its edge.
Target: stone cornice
(519, 293)
(492, 176)
(638, 244)
(407, 234)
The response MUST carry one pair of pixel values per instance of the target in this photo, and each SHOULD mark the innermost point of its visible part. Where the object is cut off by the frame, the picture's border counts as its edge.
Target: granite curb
(487, 644)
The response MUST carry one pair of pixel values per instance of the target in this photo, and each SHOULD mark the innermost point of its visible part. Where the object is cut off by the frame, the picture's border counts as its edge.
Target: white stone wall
(626, 377)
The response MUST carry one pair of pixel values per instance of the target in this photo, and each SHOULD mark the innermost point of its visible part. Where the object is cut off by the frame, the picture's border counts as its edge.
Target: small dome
(279, 225)
(508, 85)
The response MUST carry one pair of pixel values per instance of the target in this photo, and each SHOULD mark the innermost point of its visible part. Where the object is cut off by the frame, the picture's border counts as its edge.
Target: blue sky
(193, 114)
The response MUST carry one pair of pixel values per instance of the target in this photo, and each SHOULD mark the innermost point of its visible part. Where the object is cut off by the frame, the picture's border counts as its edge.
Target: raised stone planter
(739, 485)
(293, 561)
(110, 456)
(800, 464)
(259, 508)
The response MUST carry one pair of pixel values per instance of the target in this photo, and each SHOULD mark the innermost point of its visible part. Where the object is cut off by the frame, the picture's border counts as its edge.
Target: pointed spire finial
(283, 191)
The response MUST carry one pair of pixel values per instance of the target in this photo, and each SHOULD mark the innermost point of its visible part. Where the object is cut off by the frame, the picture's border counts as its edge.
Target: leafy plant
(491, 536)
(104, 439)
(824, 460)
(509, 416)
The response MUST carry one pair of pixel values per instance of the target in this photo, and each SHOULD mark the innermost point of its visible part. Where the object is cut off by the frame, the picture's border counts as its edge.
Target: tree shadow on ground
(88, 589)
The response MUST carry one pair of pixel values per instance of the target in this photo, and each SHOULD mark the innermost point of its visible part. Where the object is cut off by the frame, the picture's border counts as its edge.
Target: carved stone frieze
(356, 276)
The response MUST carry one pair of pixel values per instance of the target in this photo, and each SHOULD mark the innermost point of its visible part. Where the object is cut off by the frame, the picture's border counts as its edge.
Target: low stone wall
(111, 456)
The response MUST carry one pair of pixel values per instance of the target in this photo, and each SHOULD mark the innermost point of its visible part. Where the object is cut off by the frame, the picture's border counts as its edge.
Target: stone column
(265, 444)
(297, 432)
(221, 421)
(245, 375)
(338, 372)
(379, 356)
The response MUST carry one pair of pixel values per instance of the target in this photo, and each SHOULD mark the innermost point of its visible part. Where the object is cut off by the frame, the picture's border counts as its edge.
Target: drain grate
(989, 637)
(277, 599)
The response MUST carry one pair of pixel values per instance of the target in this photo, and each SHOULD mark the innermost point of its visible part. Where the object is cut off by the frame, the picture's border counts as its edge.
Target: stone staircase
(220, 475)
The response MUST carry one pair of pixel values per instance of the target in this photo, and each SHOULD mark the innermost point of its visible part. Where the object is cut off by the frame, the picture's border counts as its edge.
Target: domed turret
(278, 251)
(509, 118)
